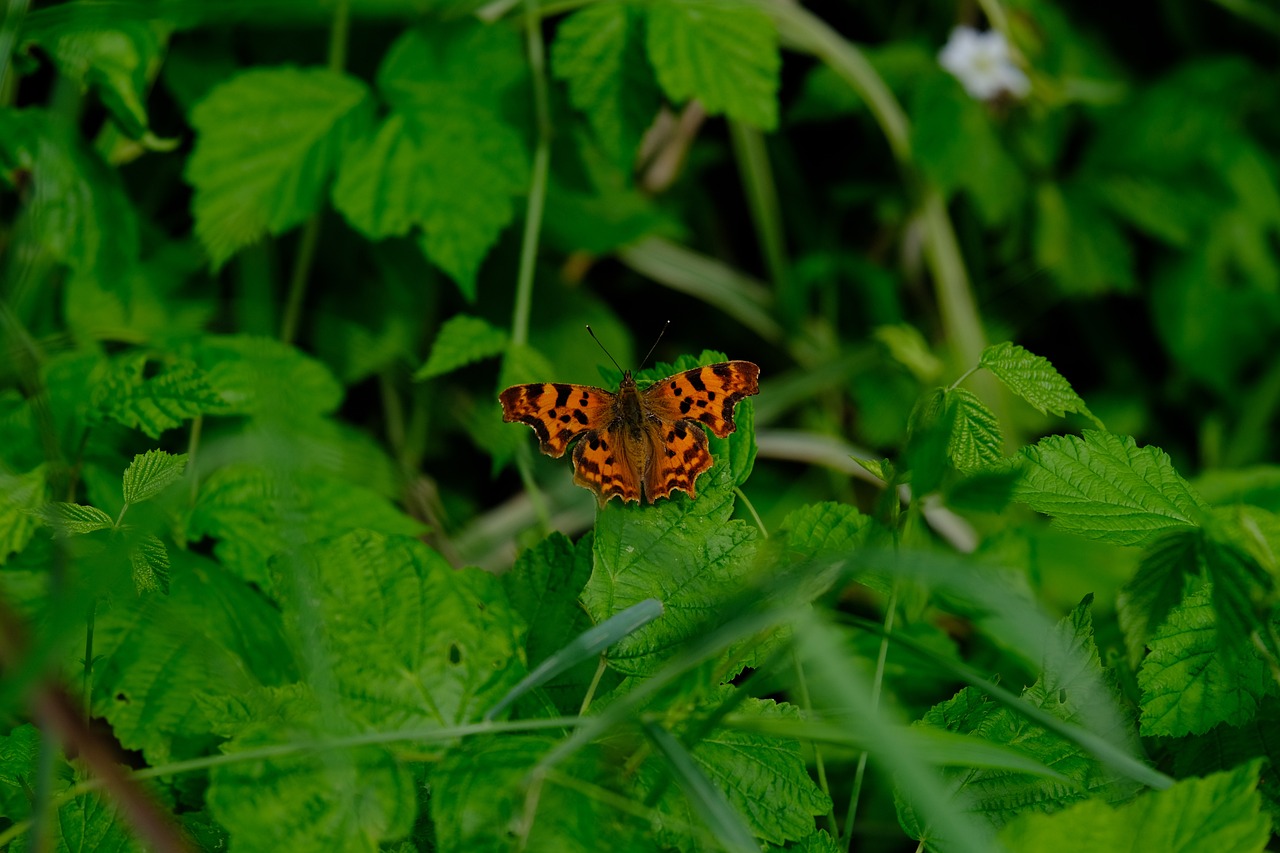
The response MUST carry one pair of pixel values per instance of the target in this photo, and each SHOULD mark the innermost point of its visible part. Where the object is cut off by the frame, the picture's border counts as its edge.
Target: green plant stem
(538, 179)
(193, 444)
(90, 619)
(595, 683)
(338, 33)
(876, 686)
(742, 496)
(762, 199)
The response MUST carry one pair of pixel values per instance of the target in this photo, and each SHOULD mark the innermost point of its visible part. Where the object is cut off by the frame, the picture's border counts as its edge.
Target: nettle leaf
(1146, 600)
(267, 142)
(154, 404)
(114, 58)
(1189, 685)
(166, 663)
(1222, 812)
(724, 54)
(599, 53)
(68, 519)
(483, 795)
(151, 473)
(764, 777)
(413, 641)
(1104, 486)
(255, 512)
(1034, 379)
(150, 561)
(686, 553)
(350, 799)
(19, 751)
(543, 587)
(21, 496)
(447, 159)
(1238, 562)
(262, 376)
(1072, 687)
(462, 340)
(829, 532)
(975, 440)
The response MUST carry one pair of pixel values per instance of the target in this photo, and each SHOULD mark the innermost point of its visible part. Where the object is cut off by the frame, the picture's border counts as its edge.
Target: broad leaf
(1034, 379)
(151, 473)
(1189, 685)
(20, 497)
(164, 401)
(462, 340)
(1218, 814)
(268, 140)
(975, 440)
(410, 640)
(1104, 486)
(724, 54)
(261, 377)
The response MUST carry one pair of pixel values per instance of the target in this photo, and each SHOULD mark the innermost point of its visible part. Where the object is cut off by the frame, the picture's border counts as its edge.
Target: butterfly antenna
(655, 344)
(606, 352)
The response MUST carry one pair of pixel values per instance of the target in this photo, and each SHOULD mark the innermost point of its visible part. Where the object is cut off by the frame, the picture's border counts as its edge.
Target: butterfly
(640, 441)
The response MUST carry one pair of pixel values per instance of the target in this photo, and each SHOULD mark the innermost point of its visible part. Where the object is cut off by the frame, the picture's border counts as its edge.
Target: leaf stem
(595, 683)
(742, 496)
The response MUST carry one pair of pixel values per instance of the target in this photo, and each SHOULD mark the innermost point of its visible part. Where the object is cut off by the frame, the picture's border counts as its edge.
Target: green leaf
(1079, 242)
(708, 802)
(929, 434)
(255, 512)
(1239, 563)
(1072, 687)
(114, 58)
(446, 160)
(488, 790)
(151, 473)
(1104, 486)
(829, 533)
(1189, 685)
(1146, 600)
(1034, 379)
(1218, 814)
(412, 641)
(269, 180)
(68, 519)
(599, 53)
(724, 54)
(262, 376)
(975, 440)
(166, 662)
(150, 560)
(158, 403)
(19, 751)
(1226, 747)
(20, 497)
(543, 587)
(349, 799)
(462, 340)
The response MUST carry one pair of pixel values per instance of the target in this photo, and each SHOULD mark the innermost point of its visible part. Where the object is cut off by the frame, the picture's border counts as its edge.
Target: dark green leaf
(164, 401)
(975, 441)
(151, 473)
(1151, 594)
(462, 340)
(20, 497)
(68, 519)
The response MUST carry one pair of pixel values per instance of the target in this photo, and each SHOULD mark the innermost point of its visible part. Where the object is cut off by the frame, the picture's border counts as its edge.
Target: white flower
(982, 63)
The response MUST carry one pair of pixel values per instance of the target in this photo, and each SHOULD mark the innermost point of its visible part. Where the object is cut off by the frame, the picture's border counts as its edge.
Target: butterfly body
(640, 441)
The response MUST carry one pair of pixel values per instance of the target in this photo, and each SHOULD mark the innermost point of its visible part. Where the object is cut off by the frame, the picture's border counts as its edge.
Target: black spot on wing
(562, 393)
(685, 405)
(580, 416)
(723, 370)
(695, 379)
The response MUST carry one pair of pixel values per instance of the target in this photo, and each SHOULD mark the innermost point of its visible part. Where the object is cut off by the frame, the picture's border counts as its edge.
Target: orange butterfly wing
(707, 395)
(609, 462)
(558, 412)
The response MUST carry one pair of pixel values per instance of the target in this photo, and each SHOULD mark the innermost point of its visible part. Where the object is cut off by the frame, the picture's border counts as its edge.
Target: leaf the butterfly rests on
(639, 441)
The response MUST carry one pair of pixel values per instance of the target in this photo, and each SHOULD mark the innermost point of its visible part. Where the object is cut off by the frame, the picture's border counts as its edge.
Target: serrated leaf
(724, 54)
(113, 58)
(461, 341)
(20, 497)
(68, 519)
(153, 405)
(18, 755)
(165, 662)
(255, 512)
(1103, 486)
(975, 440)
(707, 801)
(1238, 563)
(928, 438)
(262, 376)
(1218, 814)
(151, 473)
(267, 142)
(150, 560)
(412, 641)
(1189, 685)
(1034, 379)
(1073, 687)
(599, 53)
(1145, 601)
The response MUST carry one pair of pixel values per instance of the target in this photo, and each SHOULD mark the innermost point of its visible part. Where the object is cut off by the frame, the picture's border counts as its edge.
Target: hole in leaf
(120, 697)
(455, 654)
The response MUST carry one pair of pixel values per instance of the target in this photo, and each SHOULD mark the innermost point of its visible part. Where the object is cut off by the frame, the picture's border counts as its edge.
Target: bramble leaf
(1034, 379)
(975, 440)
(153, 405)
(723, 54)
(599, 53)
(1104, 486)
(68, 519)
(267, 142)
(151, 473)
(413, 641)
(1189, 685)
(462, 340)
(1145, 601)
(1218, 813)
(150, 560)
(20, 496)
